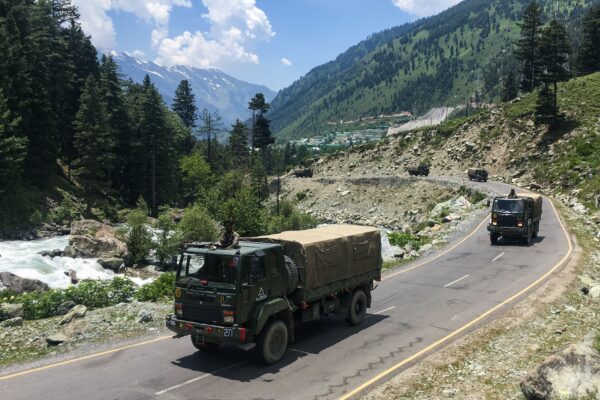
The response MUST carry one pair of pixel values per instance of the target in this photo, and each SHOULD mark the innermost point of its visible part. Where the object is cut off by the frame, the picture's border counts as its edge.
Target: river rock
(76, 312)
(112, 263)
(69, 252)
(65, 307)
(18, 285)
(12, 322)
(8, 310)
(94, 239)
(573, 373)
(56, 339)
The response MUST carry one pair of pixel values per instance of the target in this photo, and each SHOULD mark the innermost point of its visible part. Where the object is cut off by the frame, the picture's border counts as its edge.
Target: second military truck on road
(516, 216)
(254, 295)
(421, 170)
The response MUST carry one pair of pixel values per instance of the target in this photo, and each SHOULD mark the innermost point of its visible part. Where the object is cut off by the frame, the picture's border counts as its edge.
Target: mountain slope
(441, 60)
(213, 89)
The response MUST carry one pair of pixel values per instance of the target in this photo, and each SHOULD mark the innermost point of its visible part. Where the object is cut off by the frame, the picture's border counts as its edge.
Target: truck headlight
(520, 224)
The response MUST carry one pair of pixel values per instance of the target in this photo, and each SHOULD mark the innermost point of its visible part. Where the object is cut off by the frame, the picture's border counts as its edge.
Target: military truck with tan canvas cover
(516, 216)
(253, 295)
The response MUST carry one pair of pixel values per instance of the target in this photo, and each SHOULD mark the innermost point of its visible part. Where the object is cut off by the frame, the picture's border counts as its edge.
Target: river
(22, 259)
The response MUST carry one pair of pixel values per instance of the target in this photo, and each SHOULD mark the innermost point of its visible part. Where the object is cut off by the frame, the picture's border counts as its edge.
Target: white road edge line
(458, 280)
(384, 310)
(198, 378)
(495, 259)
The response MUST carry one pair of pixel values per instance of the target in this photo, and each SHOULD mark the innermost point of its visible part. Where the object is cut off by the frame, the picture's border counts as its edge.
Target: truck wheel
(536, 229)
(272, 341)
(358, 307)
(494, 238)
(528, 238)
(293, 275)
(205, 347)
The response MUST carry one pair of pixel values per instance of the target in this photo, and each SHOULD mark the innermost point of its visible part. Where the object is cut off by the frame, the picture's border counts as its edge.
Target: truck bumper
(507, 231)
(206, 332)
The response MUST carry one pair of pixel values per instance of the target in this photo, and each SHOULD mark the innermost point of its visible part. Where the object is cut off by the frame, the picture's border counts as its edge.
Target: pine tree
(260, 187)
(238, 145)
(509, 90)
(211, 126)
(93, 143)
(111, 94)
(588, 55)
(528, 46)
(257, 103)
(12, 149)
(555, 50)
(184, 104)
(545, 112)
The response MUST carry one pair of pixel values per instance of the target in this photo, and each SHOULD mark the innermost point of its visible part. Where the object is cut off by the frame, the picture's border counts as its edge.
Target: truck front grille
(202, 314)
(507, 220)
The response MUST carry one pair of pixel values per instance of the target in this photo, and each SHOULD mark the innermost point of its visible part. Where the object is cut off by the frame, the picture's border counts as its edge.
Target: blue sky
(271, 42)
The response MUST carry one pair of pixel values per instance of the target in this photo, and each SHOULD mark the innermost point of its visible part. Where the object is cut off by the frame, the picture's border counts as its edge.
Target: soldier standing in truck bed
(230, 237)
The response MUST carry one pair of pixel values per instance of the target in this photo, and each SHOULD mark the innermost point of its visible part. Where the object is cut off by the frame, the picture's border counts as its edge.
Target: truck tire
(358, 307)
(272, 341)
(205, 347)
(528, 237)
(536, 229)
(293, 274)
(494, 238)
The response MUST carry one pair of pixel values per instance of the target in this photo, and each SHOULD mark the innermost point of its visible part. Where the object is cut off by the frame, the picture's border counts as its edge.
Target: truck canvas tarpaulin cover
(331, 253)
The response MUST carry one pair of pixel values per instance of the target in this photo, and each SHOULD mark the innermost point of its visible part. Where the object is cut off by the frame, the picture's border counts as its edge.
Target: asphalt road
(415, 310)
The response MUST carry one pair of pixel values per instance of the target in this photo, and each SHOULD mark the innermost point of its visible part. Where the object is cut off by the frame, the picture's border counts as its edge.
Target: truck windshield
(511, 206)
(209, 267)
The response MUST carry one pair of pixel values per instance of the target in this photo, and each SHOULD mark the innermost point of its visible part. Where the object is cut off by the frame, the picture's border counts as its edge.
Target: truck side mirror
(488, 203)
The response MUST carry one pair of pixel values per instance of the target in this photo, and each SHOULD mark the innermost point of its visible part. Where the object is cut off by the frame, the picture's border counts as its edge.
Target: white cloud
(138, 54)
(96, 22)
(286, 62)
(234, 26)
(424, 8)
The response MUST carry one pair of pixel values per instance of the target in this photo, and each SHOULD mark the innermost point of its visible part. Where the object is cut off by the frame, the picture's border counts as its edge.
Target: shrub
(159, 289)
(90, 293)
(401, 239)
(301, 196)
(168, 240)
(139, 239)
(197, 225)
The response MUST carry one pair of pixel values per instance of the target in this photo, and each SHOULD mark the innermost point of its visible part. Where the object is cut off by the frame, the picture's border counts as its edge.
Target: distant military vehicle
(254, 295)
(477, 174)
(421, 170)
(516, 216)
(303, 173)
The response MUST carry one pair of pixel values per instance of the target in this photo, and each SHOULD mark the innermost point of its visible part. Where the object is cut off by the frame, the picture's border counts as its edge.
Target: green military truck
(477, 174)
(303, 173)
(253, 296)
(516, 216)
(421, 170)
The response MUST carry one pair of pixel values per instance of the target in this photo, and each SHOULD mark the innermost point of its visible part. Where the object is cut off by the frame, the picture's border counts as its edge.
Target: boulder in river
(94, 239)
(19, 285)
(112, 263)
(573, 373)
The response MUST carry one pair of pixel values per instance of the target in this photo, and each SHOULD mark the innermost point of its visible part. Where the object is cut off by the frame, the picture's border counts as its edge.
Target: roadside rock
(18, 285)
(573, 373)
(144, 316)
(65, 307)
(76, 312)
(595, 292)
(94, 239)
(56, 339)
(9, 311)
(17, 321)
(112, 263)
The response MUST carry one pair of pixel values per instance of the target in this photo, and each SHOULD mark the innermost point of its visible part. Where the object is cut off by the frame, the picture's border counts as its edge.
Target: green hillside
(441, 60)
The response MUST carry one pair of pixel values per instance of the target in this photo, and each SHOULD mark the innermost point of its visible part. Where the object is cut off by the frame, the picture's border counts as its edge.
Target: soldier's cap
(228, 222)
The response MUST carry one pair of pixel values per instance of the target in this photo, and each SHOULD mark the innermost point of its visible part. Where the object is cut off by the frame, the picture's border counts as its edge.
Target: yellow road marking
(89, 356)
(469, 324)
(439, 255)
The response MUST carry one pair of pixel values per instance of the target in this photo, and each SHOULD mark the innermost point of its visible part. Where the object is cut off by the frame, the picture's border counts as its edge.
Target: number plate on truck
(228, 332)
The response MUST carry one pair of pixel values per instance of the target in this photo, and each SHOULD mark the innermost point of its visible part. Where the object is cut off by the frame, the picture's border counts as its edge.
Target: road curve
(415, 310)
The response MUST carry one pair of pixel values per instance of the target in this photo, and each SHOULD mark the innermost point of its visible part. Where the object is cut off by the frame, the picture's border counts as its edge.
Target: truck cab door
(253, 279)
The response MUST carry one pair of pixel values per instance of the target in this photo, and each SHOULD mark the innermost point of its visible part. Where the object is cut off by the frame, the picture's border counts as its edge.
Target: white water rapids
(22, 259)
